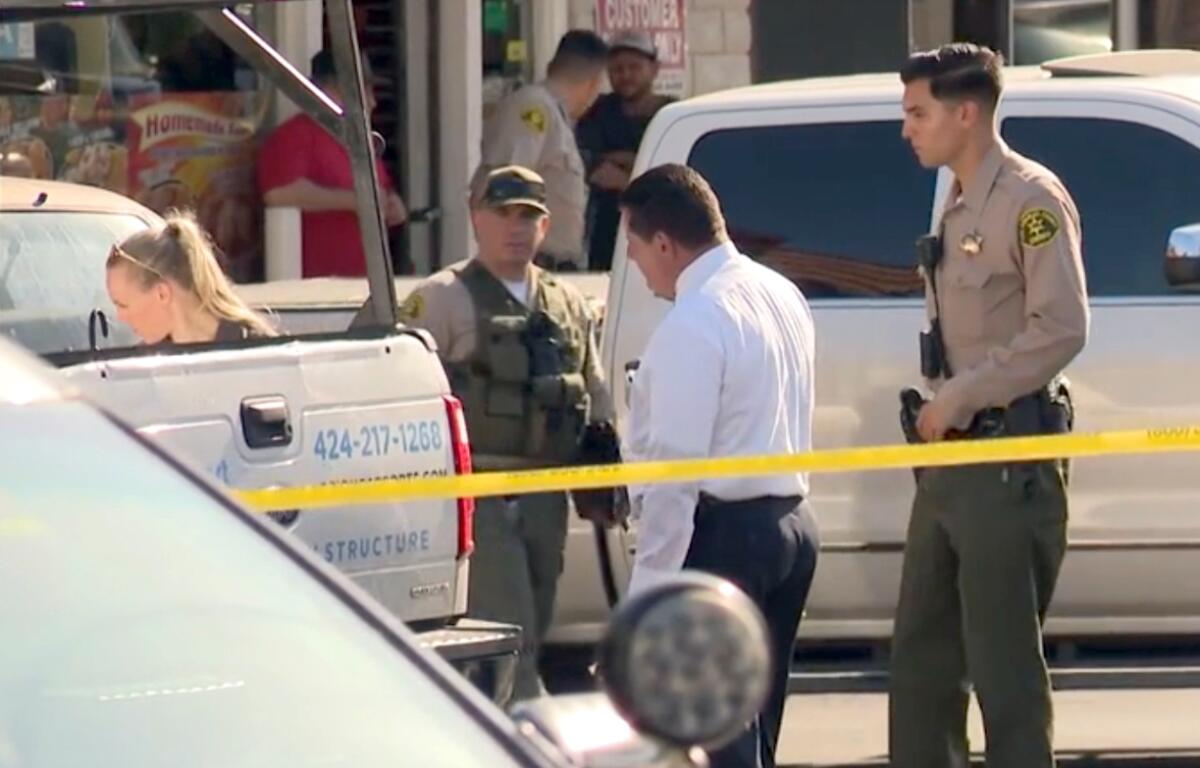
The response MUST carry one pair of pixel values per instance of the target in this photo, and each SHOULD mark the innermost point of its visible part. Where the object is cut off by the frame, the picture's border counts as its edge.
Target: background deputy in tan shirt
(535, 128)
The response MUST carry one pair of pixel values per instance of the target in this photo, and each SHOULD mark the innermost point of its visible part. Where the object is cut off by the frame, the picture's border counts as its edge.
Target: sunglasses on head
(117, 252)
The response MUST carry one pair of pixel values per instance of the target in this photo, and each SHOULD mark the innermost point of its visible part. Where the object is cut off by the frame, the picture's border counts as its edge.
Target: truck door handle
(265, 422)
(631, 368)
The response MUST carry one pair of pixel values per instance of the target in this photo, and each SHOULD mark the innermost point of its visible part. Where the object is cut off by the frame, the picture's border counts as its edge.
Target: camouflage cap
(508, 185)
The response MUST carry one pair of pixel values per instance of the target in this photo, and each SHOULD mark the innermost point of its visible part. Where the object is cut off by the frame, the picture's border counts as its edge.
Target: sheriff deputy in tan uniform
(535, 127)
(1007, 305)
(519, 348)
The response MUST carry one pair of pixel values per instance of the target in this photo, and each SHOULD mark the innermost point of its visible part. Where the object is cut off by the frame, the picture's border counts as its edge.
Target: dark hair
(957, 71)
(677, 201)
(580, 53)
(324, 68)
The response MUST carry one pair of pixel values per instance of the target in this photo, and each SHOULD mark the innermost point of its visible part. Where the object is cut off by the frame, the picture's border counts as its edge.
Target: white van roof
(1175, 72)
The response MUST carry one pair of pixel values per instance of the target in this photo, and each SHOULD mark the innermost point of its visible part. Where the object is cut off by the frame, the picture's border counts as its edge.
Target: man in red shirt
(302, 166)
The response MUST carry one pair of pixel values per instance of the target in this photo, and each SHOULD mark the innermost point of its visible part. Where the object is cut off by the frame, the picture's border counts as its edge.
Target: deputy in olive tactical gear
(519, 348)
(1006, 303)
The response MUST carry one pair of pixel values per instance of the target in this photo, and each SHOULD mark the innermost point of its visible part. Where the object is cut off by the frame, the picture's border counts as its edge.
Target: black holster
(1049, 411)
(606, 507)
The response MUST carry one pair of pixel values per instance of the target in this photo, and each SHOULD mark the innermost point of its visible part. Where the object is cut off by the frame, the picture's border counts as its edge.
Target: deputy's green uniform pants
(984, 547)
(514, 572)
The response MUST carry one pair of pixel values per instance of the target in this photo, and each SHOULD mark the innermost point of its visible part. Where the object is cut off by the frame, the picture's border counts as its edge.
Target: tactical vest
(522, 389)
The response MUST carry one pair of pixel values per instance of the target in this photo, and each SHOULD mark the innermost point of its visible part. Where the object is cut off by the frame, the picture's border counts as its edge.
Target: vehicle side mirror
(687, 661)
(1181, 263)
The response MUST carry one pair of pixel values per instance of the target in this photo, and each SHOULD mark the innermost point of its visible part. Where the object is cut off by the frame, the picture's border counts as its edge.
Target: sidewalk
(1094, 728)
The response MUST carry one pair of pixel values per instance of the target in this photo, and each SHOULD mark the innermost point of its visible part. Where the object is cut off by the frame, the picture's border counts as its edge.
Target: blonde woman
(167, 286)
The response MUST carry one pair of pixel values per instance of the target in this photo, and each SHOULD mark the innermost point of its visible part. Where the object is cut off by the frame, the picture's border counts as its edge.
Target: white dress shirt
(728, 372)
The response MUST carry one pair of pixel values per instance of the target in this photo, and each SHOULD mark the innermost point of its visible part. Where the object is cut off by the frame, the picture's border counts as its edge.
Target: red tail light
(461, 448)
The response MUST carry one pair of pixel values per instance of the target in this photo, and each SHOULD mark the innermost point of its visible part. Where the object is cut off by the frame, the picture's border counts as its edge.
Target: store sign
(663, 20)
(192, 150)
(196, 151)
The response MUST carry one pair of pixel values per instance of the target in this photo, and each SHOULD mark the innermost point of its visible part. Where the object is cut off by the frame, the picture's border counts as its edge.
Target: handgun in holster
(990, 422)
(911, 402)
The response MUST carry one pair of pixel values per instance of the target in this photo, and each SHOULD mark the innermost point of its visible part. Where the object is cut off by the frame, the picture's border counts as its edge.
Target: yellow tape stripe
(1144, 441)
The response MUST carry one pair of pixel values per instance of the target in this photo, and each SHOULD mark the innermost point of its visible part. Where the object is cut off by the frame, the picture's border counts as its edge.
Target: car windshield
(52, 278)
(147, 625)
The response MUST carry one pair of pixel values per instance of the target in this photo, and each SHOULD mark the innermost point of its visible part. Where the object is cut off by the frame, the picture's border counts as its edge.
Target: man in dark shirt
(609, 135)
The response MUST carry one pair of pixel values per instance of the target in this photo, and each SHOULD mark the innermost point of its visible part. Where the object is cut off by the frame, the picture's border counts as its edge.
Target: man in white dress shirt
(729, 372)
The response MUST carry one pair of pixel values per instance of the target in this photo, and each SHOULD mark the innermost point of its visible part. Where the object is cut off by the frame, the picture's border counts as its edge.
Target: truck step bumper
(484, 652)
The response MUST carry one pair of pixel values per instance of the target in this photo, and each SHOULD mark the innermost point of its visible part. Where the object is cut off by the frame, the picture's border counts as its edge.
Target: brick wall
(718, 41)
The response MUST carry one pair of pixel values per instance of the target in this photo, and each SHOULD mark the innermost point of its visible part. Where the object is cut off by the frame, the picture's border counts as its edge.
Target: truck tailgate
(308, 413)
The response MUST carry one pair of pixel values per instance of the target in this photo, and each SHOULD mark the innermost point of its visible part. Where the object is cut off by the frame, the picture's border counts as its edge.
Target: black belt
(782, 504)
(1038, 413)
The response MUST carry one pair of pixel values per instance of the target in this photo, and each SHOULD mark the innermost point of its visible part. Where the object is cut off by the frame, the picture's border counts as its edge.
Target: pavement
(1119, 707)
(1137, 728)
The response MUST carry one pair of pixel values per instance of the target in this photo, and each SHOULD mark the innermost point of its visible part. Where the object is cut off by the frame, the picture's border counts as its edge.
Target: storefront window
(152, 106)
(507, 61)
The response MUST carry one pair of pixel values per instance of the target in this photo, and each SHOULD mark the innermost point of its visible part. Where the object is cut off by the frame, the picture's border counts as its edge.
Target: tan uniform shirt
(530, 128)
(441, 304)
(1011, 287)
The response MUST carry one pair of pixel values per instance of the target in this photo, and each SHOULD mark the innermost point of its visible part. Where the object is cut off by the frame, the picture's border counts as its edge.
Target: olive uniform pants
(984, 547)
(518, 557)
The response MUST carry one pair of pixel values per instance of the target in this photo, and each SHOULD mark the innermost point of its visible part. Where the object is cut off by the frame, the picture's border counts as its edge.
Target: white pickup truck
(815, 181)
(340, 407)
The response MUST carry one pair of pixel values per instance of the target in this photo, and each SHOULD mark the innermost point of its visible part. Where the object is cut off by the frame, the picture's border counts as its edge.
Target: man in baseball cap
(633, 40)
(609, 135)
(509, 185)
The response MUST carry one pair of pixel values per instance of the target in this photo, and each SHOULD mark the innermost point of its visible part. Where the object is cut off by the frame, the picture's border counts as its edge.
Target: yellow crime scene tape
(993, 450)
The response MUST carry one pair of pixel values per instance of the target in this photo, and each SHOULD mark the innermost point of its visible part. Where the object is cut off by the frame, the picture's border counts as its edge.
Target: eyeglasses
(116, 252)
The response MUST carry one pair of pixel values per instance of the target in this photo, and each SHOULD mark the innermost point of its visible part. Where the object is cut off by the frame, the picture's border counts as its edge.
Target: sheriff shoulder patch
(535, 118)
(412, 307)
(1038, 227)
